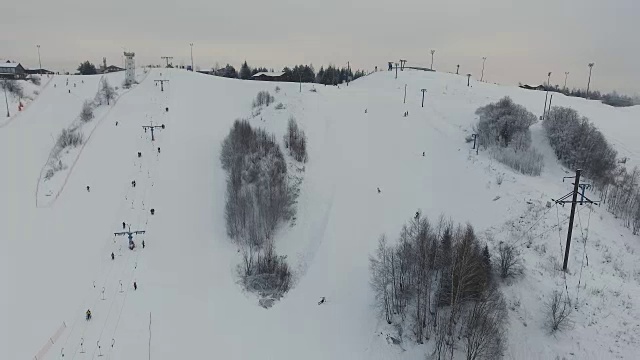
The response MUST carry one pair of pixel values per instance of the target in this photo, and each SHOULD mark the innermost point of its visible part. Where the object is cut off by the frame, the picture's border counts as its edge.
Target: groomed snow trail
(186, 275)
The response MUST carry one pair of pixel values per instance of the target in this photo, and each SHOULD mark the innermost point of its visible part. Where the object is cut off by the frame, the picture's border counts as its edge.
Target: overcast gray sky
(522, 40)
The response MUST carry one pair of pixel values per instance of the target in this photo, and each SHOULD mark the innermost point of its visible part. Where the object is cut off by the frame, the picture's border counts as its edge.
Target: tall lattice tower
(129, 67)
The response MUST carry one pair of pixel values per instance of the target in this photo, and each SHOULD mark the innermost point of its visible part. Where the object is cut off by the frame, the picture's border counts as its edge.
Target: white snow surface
(55, 260)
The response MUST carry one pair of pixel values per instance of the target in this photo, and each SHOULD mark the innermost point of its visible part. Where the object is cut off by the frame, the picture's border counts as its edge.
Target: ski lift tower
(129, 68)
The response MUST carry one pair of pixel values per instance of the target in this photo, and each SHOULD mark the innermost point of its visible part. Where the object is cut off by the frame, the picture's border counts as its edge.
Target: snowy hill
(56, 258)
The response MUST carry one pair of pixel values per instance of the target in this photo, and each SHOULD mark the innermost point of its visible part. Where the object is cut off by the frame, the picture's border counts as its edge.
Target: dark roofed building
(10, 70)
(268, 76)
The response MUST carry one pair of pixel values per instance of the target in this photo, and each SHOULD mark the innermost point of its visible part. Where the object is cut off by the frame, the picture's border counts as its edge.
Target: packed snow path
(186, 275)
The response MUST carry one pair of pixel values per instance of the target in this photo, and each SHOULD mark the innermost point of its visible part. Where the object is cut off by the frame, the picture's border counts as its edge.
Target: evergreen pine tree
(245, 72)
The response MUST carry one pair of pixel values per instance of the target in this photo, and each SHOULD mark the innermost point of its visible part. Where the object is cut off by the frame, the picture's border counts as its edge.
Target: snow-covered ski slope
(55, 261)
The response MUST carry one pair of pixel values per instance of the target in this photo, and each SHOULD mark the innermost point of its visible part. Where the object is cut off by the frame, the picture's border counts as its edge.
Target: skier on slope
(113, 257)
(322, 301)
(88, 314)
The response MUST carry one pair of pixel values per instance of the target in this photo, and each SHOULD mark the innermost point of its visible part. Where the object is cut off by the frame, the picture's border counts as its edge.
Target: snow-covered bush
(558, 311)
(34, 79)
(12, 87)
(106, 93)
(279, 106)
(296, 141)
(503, 127)
(510, 260)
(578, 144)
(529, 162)
(69, 138)
(277, 90)
(263, 98)
(500, 122)
(86, 114)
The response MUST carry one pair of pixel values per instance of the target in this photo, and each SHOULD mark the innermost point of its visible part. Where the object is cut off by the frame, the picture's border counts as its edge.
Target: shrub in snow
(528, 162)
(485, 331)
(263, 98)
(106, 93)
(279, 106)
(296, 141)
(87, 111)
(277, 90)
(503, 127)
(500, 122)
(69, 138)
(558, 311)
(580, 145)
(34, 79)
(12, 87)
(622, 197)
(510, 260)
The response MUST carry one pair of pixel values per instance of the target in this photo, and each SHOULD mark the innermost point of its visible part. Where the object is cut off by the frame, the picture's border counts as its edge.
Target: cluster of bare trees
(622, 197)
(12, 87)
(296, 141)
(259, 198)
(106, 93)
(437, 281)
(578, 144)
(263, 98)
(86, 114)
(503, 127)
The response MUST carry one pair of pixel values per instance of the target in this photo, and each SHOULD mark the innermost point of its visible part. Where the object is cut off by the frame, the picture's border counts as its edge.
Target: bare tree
(86, 114)
(106, 93)
(559, 311)
(510, 260)
(485, 326)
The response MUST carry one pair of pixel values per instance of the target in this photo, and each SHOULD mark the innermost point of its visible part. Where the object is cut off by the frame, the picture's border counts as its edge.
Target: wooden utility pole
(562, 201)
(402, 62)
(423, 91)
(482, 76)
(475, 139)
(152, 128)
(566, 74)
(161, 83)
(549, 109)
(166, 58)
(396, 70)
(549, 79)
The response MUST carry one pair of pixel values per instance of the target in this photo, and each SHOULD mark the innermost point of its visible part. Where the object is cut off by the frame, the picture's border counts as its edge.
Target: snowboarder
(139, 154)
(322, 300)
(365, 111)
(69, 91)
(423, 153)
(113, 257)
(153, 211)
(158, 149)
(116, 123)
(143, 244)
(88, 189)
(135, 286)
(167, 109)
(123, 225)
(88, 314)
(131, 245)
(379, 191)
(133, 183)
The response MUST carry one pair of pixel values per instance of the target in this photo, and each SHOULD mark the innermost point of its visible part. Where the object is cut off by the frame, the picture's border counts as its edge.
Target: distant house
(10, 70)
(112, 68)
(38, 71)
(528, 87)
(268, 76)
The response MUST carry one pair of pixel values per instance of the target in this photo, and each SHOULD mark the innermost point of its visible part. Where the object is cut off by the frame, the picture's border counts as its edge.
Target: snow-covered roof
(273, 74)
(9, 65)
